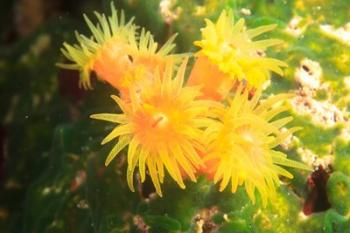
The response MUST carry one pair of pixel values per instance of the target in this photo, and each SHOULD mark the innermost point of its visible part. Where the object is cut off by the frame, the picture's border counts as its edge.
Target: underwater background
(52, 172)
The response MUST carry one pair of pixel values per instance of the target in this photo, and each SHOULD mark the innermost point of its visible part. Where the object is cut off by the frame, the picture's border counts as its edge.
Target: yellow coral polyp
(163, 126)
(241, 145)
(231, 48)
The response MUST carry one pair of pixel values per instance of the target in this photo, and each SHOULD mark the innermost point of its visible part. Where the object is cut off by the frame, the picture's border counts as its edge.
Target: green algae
(57, 143)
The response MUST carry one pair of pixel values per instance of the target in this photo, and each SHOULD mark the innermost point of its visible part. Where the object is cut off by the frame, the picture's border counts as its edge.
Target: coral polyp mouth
(250, 141)
(160, 120)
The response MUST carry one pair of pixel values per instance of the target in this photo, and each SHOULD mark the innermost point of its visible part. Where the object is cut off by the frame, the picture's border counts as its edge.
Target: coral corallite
(230, 47)
(240, 145)
(163, 126)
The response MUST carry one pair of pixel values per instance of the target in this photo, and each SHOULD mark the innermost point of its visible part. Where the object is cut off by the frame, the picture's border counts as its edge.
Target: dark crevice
(68, 82)
(317, 199)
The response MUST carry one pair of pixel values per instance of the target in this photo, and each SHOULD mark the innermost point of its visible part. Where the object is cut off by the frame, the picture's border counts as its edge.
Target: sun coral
(116, 51)
(163, 126)
(106, 48)
(241, 142)
(147, 58)
(169, 126)
(230, 48)
(215, 84)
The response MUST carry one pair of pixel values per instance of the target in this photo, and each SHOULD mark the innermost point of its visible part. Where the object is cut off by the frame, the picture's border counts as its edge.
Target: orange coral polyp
(163, 127)
(115, 51)
(109, 33)
(124, 68)
(151, 63)
(215, 85)
(111, 63)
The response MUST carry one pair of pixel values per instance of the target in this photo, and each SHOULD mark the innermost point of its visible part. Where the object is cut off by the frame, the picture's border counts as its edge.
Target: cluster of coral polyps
(214, 124)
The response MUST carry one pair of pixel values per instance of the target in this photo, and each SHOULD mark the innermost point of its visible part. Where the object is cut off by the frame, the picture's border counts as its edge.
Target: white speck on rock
(309, 74)
(322, 113)
(313, 160)
(199, 226)
(307, 156)
(302, 216)
(347, 82)
(295, 26)
(46, 191)
(246, 11)
(166, 12)
(345, 133)
(342, 33)
(83, 204)
(289, 142)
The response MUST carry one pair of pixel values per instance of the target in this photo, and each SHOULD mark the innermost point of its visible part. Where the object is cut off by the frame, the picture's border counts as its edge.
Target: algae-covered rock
(338, 192)
(52, 172)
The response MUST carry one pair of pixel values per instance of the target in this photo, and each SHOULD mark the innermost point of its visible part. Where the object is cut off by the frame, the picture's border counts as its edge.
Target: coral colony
(214, 124)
